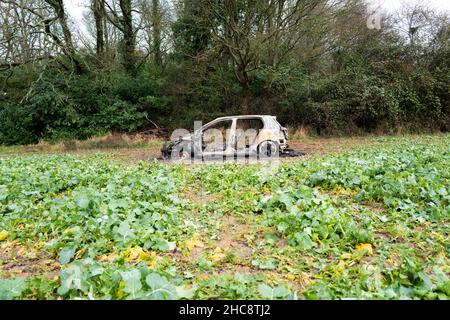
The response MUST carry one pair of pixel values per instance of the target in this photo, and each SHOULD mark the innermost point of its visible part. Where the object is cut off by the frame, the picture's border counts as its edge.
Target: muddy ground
(151, 150)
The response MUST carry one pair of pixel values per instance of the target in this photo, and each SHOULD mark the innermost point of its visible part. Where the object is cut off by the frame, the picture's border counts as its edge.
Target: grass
(105, 143)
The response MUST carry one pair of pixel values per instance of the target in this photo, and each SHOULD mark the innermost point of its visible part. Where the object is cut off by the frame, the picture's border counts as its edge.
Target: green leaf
(163, 245)
(132, 281)
(72, 278)
(304, 241)
(119, 203)
(265, 291)
(281, 292)
(426, 281)
(268, 264)
(125, 231)
(66, 254)
(270, 293)
(317, 177)
(11, 288)
(83, 202)
(204, 263)
(161, 288)
(184, 292)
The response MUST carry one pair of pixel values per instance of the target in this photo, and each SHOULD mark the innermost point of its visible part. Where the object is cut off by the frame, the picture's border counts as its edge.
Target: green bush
(79, 108)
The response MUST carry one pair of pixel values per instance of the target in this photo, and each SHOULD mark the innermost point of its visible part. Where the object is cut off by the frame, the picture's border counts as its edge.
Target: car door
(217, 139)
(246, 135)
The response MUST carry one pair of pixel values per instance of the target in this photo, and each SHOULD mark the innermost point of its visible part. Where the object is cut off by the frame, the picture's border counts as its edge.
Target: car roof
(246, 117)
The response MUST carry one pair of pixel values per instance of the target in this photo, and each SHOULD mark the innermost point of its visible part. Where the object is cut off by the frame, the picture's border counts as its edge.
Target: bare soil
(19, 261)
(148, 148)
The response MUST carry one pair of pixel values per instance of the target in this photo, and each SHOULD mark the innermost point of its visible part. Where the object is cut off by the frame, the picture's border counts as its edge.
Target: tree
(157, 30)
(191, 32)
(51, 20)
(248, 30)
(67, 44)
(122, 19)
(98, 9)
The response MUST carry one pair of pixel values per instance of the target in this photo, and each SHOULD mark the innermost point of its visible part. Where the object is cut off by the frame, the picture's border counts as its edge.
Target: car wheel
(181, 153)
(183, 156)
(268, 149)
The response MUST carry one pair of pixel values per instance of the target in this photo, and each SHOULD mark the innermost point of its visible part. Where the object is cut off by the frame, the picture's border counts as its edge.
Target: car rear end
(280, 132)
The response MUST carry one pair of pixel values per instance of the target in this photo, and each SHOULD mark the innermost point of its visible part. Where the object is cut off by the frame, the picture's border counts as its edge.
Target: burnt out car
(231, 137)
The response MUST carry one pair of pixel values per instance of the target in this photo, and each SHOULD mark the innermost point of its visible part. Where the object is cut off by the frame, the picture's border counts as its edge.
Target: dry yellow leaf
(22, 251)
(364, 246)
(340, 266)
(7, 246)
(136, 254)
(3, 235)
(120, 292)
(347, 255)
(305, 279)
(195, 241)
(216, 257)
(290, 277)
(151, 263)
(107, 257)
(80, 253)
(219, 254)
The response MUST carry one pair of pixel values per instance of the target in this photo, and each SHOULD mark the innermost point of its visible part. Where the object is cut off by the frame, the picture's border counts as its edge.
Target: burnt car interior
(247, 131)
(210, 139)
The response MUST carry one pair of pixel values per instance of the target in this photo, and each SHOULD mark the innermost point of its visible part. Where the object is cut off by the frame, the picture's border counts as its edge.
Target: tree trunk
(68, 46)
(245, 86)
(99, 16)
(129, 37)
(156, 24)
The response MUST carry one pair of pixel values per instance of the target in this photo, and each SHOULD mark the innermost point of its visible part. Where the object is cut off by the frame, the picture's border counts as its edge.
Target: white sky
(394, 5)
(75, 8)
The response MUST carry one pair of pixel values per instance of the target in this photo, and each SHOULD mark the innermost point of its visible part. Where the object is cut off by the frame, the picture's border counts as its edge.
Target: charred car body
(231, 137)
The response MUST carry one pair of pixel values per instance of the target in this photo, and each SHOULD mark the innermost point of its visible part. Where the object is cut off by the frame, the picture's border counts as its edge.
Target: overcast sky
(76, 7)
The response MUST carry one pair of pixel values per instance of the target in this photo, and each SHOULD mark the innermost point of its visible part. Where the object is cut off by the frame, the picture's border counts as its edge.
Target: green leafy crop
(368, 224)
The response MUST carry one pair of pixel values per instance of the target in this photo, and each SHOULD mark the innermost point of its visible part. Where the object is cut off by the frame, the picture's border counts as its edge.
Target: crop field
(369, 222)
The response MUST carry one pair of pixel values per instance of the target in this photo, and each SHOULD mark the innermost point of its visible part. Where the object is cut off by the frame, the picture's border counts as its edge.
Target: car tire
(182, 154)
(268, 149)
